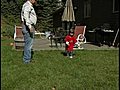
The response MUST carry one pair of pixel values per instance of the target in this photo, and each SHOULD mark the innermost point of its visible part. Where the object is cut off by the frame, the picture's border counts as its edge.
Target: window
(115, 6)
(87, 8)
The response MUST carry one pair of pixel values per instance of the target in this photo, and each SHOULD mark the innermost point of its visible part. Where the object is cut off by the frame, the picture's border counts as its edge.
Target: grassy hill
(7, 26)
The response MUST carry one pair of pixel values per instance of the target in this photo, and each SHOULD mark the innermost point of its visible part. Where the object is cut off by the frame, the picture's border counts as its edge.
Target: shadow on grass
(64, 53)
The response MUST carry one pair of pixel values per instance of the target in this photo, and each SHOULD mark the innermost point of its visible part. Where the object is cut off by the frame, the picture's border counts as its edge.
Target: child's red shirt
(72, 40)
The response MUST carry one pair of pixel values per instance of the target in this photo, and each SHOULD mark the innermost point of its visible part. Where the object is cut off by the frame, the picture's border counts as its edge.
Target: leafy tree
(10, 16)
(11, 9)
(45, 10)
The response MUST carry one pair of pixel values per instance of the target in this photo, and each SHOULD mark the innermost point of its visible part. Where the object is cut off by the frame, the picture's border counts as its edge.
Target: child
(70, 40)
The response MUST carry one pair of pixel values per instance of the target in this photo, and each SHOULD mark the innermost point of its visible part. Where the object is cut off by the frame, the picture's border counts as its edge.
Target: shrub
(8, 31)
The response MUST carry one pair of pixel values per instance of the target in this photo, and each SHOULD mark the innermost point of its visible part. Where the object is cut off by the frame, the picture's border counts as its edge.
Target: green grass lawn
(88, 70)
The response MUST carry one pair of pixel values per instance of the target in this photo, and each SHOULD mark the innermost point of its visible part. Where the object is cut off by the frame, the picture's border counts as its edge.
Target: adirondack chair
(18, 37)
(79, 34)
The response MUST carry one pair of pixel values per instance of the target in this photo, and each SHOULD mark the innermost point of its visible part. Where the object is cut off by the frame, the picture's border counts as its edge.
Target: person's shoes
(71, 56)
(32, 61)
(26, 61)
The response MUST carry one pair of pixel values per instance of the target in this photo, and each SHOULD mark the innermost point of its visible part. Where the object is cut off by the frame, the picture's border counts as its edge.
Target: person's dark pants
(69, 53)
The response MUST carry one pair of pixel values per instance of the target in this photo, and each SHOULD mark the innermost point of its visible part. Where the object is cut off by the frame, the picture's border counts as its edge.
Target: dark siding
(101, 12)
(57, 18)
(78, 11)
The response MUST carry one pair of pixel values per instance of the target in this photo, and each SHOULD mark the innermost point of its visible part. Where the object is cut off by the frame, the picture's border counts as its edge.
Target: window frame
(87, 8)
(115, 6)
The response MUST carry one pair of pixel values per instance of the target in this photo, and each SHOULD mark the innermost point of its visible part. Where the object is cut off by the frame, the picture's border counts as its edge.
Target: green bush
(8, 31)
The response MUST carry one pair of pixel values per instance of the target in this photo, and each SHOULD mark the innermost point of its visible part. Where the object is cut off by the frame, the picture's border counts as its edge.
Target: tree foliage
(45, 11)
(10, 10)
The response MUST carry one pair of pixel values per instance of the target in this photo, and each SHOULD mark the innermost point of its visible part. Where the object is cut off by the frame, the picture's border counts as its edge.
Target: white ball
(67, 43)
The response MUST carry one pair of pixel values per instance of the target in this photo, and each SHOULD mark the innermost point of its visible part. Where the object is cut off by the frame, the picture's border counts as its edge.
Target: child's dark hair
(71, 30)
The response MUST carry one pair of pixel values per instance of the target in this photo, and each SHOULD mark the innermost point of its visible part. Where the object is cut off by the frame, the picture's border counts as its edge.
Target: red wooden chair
(79, 34)
(18, 32)
(18, 37)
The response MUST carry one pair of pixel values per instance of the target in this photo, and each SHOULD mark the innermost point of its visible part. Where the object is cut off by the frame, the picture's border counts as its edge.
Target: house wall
(78, 6)
(57, 18)
(101, 12)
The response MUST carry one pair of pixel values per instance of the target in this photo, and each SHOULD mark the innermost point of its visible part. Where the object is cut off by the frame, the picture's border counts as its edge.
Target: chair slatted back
(18, 32)
(79, 30)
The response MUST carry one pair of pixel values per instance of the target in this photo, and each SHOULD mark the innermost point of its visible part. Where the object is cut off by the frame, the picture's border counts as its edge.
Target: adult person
(29, 19)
